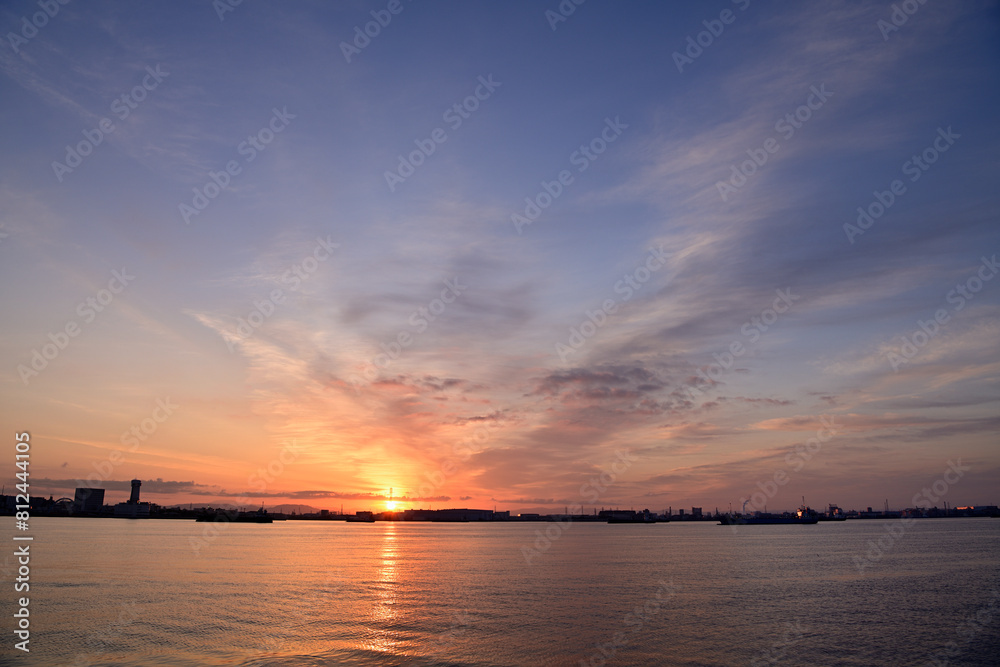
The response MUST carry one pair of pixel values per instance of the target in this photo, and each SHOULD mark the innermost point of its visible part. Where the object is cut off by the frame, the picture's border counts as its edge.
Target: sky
(513, 255)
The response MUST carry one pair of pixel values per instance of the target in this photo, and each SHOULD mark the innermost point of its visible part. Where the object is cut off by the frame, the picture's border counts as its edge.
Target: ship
(804, 516)
(361, 517)
(834, 513)
(628, 516)
(637, 519)
(764, 519)
(260, 516)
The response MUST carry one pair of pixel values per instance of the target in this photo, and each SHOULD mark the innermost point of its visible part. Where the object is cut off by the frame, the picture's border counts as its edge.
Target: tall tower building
(134, 498)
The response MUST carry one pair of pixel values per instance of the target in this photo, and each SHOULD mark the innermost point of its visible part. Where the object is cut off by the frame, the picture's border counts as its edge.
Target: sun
(391, 504)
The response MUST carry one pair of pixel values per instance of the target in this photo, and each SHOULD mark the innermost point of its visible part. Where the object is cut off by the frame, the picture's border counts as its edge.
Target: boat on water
(637, 519)
(260, 516)
(833, 513)
(764, 519)
(805, 516)
(361, 517)
(628, 516)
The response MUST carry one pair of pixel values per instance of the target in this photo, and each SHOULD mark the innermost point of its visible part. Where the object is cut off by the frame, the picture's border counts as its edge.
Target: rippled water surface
(118, 592)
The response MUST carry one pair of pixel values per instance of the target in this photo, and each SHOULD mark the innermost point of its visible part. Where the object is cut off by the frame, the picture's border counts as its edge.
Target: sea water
(157, 592)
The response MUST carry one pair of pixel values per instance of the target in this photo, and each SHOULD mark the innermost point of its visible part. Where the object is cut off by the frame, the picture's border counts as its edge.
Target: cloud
(158, 486)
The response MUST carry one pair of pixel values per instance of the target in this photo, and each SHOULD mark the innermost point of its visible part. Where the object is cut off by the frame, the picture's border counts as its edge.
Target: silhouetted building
(42, 505)
(695, 512)
(88, 500)
(463, 515)
(133, 509)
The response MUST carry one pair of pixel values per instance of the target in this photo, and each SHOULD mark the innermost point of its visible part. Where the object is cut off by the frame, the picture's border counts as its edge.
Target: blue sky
(299, 388)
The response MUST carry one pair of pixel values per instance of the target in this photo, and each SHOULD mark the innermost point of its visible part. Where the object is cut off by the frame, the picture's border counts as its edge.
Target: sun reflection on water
(380, 635)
